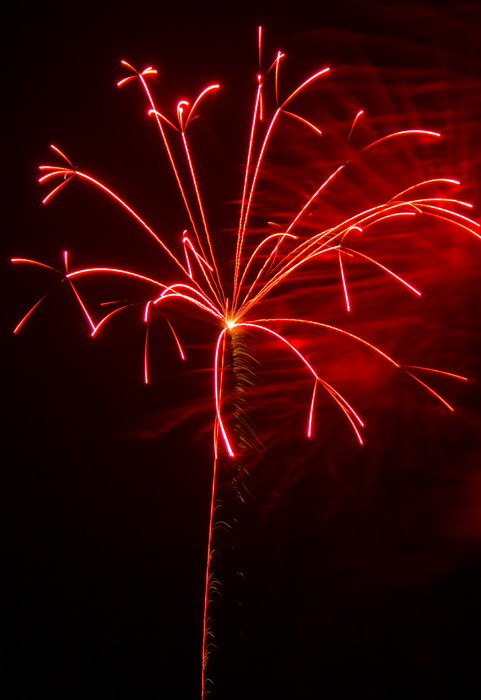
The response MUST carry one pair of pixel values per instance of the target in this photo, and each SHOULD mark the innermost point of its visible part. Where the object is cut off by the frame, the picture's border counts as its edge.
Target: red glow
(261, 263)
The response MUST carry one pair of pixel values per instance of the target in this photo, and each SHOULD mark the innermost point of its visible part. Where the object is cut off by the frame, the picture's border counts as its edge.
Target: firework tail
(229, 489)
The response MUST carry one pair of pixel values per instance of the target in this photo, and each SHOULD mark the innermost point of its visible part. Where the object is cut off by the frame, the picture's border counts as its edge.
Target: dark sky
(361, 565)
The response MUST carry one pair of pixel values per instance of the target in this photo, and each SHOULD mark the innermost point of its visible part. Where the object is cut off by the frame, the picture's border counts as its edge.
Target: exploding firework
(236, 293)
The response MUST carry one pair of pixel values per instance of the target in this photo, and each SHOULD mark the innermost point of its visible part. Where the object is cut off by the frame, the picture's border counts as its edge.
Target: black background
(361, 566)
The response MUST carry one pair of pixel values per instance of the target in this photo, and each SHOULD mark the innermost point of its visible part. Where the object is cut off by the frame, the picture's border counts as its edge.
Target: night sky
(361, 566)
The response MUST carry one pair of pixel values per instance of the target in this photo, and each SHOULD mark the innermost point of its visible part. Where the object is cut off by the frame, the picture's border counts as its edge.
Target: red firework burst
(229, 293)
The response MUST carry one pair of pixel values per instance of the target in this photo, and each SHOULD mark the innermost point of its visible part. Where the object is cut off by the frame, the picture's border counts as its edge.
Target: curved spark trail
(227, 293)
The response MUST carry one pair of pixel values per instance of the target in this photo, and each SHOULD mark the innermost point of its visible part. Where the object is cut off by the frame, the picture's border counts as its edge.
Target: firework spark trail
(252, 278)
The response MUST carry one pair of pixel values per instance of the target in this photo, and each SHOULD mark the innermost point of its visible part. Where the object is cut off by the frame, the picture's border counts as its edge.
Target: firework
(228, 293)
